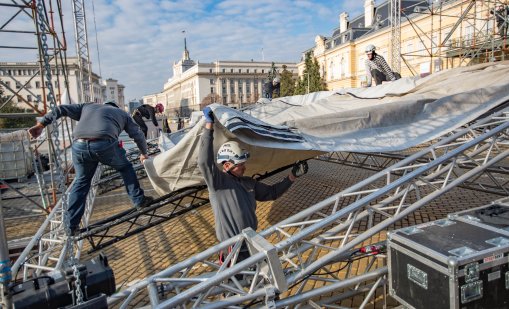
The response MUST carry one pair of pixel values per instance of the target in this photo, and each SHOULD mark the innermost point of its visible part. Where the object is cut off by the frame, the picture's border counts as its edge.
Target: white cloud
(140, 39)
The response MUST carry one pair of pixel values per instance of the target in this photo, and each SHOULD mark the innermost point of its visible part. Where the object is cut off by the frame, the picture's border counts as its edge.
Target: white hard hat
(370, 48)
(232, 152)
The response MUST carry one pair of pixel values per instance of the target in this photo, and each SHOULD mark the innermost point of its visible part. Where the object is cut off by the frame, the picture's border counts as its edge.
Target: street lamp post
(307, 74)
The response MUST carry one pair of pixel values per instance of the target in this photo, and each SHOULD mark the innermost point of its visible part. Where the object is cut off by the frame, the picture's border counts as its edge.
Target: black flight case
(449, 264)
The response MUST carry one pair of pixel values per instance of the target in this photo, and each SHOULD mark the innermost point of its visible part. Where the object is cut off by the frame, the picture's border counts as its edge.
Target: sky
(138, 40)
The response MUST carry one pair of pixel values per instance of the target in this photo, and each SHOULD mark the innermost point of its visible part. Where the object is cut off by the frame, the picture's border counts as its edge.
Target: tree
(311, 80)
(287, 83)
(209, 99)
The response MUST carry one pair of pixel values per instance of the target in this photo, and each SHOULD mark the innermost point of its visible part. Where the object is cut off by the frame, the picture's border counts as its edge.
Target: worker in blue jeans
(96, 141)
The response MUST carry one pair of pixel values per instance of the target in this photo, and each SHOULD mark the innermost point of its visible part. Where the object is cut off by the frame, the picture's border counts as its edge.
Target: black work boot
(147, 200)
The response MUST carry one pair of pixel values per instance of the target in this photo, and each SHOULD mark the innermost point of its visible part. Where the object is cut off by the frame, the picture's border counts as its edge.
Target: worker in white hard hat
(232, 195)
(377, 68)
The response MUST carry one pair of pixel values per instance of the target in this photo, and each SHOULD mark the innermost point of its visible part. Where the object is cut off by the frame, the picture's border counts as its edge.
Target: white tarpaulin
(390, 117)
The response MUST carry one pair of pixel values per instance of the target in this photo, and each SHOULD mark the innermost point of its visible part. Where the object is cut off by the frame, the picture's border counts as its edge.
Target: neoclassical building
(195, 84)
(423, 51)
(22, 82)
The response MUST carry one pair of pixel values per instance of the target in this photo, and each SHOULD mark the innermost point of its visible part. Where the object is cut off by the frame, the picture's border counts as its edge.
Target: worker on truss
(149, 112)
(377, 68)
(96, 141)
(501, 13)
(272, 87)
(232, 195)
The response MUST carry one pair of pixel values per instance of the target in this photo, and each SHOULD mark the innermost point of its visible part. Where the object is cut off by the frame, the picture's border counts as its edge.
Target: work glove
(300, 168)
(208, 115)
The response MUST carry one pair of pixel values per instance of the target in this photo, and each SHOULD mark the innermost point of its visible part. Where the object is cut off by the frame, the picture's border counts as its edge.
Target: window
(18, 85)
(247, 71)
(231, 70)
(224, 100)
(29, 98)
(224, 90)
(224, 81)
(211, 89)
(212, 81)
(39, 98)
(240, 70)
(263, 71)
(255, 71)
(224, 70)
(210, 70)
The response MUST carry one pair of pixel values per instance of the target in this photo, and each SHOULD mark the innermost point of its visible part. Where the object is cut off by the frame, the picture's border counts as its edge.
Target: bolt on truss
(302, 259)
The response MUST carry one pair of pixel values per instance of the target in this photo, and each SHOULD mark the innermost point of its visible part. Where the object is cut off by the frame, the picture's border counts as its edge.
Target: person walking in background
(377, 68)
(148, 112)
(96, 141)
(232, 195)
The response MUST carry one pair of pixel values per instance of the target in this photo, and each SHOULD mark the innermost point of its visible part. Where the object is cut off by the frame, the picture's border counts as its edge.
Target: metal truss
(85, 91)
(304, 258)
(471, 39)
(395, 22)
(48, 248)
(133, 221)
(493, 180)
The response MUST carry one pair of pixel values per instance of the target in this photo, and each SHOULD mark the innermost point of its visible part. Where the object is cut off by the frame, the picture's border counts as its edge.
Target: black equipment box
(56, 291)
(494, 216)
(449, 264)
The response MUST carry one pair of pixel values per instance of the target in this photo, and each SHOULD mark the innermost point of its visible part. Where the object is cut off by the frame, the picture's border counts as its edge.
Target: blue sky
(140, 39)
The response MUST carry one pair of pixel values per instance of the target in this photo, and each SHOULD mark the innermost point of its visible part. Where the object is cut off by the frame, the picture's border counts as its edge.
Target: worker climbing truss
(313, 247)
(51, 248)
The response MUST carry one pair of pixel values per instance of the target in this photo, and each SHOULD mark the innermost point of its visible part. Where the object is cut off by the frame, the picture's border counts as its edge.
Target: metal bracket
(257, 243)
(270, 297)
(472, 272)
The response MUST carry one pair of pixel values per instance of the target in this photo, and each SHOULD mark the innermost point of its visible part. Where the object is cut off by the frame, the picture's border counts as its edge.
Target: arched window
(331, 70)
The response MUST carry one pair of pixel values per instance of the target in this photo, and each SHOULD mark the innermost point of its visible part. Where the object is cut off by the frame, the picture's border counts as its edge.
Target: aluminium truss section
(493, 180)
(48, 248)
(302, 258)
(133, 221)
(85, 91)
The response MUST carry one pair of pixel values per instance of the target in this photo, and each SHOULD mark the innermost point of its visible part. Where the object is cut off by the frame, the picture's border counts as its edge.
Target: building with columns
(22, 82)
(195, 85)
(424, 27)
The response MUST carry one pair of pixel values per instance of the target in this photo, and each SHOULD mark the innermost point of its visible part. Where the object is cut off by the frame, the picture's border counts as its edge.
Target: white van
(195, 118)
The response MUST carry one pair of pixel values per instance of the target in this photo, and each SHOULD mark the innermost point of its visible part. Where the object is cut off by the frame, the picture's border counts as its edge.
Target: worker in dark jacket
(501, 13)
(149, 112)
(96, 141)
(232, 195)
(272, 87)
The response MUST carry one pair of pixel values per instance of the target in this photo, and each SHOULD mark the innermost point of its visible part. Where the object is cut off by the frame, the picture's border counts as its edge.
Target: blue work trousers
(85, 157)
